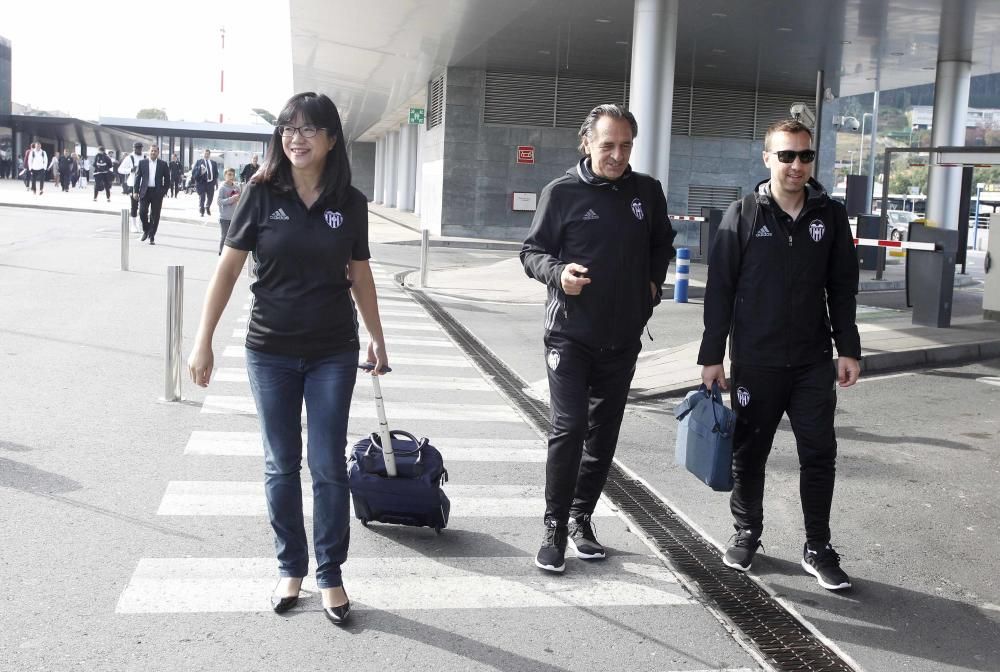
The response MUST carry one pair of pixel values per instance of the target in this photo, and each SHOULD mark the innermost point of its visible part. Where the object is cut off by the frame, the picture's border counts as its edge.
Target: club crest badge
(552, 359)
(743, 396)
(333, 219)
(816, 230)
(637, 208)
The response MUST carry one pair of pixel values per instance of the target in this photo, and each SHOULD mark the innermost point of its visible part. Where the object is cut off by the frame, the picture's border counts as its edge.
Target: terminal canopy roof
(72, 131)
(375, 58)
(189, 129)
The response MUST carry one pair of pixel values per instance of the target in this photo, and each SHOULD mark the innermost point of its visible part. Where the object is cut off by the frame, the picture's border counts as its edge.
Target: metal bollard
(125, 238)
(175, 336)
(682, 275)
(424, 245)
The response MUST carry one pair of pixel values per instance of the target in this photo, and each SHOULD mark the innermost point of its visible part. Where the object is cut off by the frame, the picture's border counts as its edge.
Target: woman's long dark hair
(319, 111)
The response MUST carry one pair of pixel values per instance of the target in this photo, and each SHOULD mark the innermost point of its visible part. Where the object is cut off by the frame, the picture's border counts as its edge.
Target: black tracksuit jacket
(782, 290)
(619, 230)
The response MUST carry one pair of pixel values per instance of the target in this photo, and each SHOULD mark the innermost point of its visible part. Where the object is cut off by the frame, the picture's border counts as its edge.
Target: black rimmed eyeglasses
(307, 131)
(788, 155)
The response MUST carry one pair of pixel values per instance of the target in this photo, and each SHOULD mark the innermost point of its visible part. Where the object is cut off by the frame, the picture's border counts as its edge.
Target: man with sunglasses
(782, 286)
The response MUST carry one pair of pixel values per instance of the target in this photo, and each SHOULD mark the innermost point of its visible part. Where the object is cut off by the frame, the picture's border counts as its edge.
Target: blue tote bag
(705, 437)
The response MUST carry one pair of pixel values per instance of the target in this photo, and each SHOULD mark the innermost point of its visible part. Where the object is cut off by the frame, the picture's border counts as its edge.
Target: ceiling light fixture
(603, 20)
(845, 42)
(544, 52)
(719, 15)
(718, 51)
(622, 42)
(784, 30)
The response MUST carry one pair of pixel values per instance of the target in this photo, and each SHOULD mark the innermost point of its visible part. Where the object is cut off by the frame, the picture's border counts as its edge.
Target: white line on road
(239, 352)
(191, 585)
(246, 498)
(244, 405)
(400, 380)
(248, 444)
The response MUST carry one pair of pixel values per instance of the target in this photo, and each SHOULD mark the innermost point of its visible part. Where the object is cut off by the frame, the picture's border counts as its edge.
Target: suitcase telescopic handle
(383, 424)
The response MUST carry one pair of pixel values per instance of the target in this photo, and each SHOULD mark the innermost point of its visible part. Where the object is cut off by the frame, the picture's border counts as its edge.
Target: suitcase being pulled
(401, 485)
(413, 497)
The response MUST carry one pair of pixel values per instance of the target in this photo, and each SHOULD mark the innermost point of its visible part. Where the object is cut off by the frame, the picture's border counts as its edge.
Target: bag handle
(719, 428)
(376, 443)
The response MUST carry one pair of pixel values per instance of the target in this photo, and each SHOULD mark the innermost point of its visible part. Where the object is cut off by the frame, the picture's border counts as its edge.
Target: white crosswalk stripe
(458, 413)
(392, 341)
(246, 498)
(238, 351)
(248, 444)
(189, 585)
(465, 384)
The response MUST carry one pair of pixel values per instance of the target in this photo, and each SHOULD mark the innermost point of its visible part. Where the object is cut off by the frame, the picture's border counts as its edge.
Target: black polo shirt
(302, 304)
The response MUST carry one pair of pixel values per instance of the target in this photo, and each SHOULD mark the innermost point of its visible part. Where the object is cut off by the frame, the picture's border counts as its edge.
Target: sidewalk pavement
(890, 342)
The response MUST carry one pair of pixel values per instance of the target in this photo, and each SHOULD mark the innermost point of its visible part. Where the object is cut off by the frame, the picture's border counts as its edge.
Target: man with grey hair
(601, 241)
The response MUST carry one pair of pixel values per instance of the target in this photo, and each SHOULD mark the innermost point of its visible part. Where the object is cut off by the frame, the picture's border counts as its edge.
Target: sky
(94, 59)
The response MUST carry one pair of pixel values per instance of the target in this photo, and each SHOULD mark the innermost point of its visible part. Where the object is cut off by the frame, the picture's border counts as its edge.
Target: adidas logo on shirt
(763, 232)
(280, 214)
(590, 215)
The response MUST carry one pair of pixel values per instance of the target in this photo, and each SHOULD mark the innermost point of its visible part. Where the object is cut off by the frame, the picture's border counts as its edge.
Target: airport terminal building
(462, 116)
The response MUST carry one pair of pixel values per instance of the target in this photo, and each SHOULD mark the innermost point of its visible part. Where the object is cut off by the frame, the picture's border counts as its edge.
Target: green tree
(152, 113)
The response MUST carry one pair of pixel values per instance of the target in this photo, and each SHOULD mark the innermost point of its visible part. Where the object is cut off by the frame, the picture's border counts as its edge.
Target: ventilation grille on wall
(435, 102)
(575, 98)
(710, 197)
(517, 99)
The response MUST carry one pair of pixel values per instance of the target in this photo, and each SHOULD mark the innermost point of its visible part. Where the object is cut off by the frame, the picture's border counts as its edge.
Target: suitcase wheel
(437, 530)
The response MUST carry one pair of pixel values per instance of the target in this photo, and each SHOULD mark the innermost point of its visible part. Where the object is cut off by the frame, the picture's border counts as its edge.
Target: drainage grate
(784, 641)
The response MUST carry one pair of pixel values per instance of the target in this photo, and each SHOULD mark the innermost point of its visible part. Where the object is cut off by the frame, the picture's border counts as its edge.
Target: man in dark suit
(206, 175)
(152, 179)
(176, 175)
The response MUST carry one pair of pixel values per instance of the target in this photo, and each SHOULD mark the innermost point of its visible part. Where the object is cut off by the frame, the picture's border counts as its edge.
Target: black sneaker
(582, 539)
(824, 564)
(742, 547)
(552, 555)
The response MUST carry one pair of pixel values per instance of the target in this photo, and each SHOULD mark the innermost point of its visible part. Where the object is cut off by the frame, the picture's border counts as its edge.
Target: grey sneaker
(552, 555)
(824, 564)
(582, 539)
(742, 548)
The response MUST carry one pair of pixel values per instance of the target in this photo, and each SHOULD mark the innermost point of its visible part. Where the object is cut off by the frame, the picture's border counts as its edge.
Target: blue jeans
(279, 384)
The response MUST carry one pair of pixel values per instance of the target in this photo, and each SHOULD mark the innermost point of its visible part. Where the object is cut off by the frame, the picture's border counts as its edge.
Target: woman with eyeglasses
(307, 228)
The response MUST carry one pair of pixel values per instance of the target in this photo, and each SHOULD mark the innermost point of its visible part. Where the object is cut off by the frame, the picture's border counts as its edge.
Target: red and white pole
(222, 72)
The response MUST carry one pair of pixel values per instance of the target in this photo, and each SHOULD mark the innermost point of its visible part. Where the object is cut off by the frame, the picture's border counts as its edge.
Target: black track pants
(588, 390)
(760, 396)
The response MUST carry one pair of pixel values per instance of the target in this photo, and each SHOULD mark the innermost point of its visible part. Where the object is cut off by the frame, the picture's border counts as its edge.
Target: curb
(882, 362)
(91, 211)
(444, 242)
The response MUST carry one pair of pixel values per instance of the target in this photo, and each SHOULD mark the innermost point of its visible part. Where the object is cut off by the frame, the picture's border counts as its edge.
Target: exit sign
(525, 154)
(417, 115)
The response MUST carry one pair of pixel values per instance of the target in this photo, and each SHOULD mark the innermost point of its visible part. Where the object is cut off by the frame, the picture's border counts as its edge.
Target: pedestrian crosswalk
(496, 463)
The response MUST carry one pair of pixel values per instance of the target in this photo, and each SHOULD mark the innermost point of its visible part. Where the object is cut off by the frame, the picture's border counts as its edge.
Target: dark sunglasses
(788, 155)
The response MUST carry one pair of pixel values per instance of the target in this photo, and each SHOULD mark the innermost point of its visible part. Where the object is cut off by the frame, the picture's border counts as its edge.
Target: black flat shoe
(144, 236)
(338, 615)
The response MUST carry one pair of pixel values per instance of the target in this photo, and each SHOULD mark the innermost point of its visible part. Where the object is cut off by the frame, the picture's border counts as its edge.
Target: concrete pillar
(407, 167)
(870, 192)
(420, 169)
(951, 107)
(651, 88)
(379, 170)
(391, 170)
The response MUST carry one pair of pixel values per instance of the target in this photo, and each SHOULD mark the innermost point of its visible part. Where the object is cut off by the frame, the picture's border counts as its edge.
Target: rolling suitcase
(401, 484)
